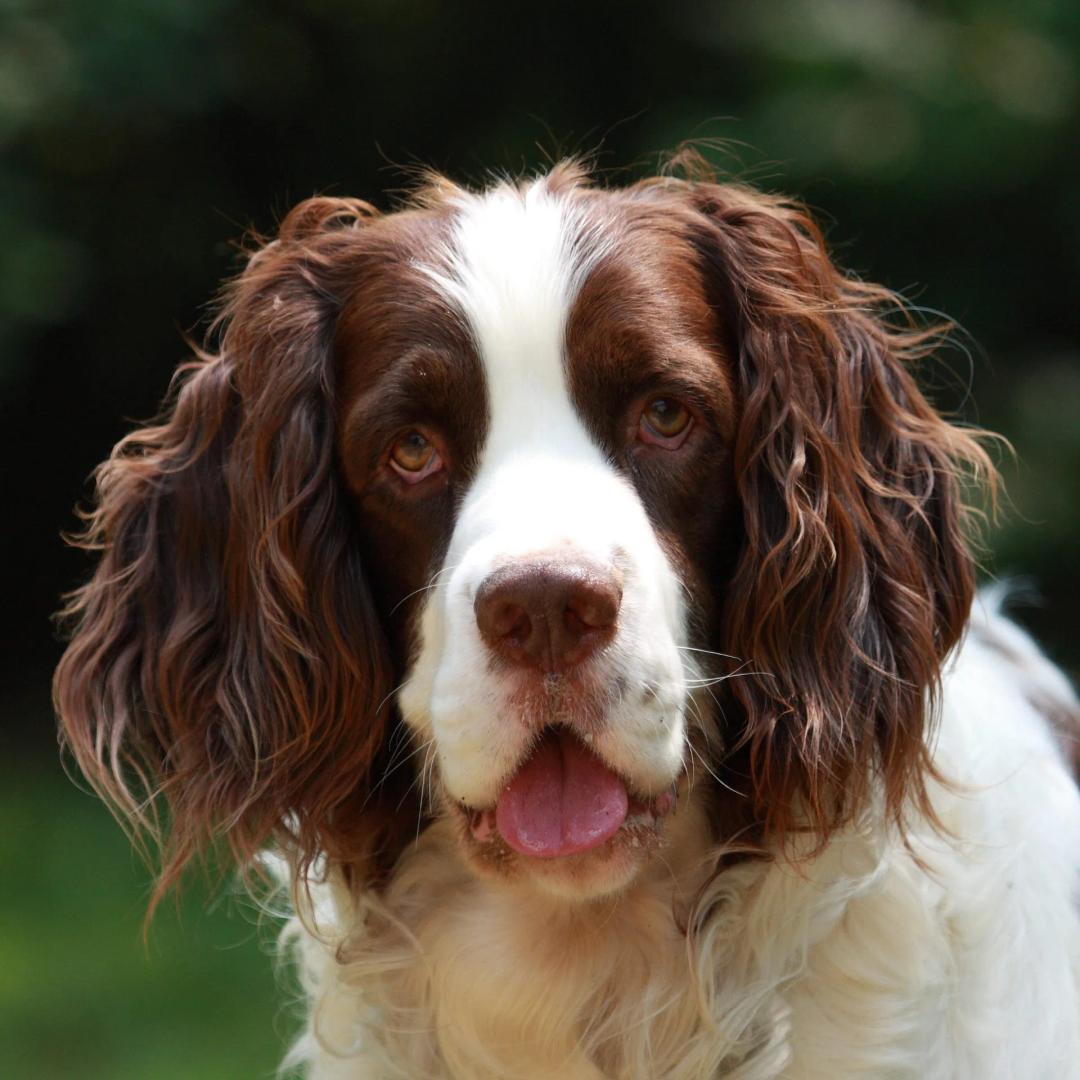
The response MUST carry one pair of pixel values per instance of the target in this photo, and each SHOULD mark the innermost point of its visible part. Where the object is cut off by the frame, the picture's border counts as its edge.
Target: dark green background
(139, 139)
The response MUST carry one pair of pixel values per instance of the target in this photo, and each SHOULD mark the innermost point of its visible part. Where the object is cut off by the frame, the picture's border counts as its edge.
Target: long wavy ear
(856, 573)
(226, 654)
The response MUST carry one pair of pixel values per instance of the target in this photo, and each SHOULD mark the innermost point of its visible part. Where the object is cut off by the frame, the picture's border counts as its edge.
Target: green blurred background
(939, 143)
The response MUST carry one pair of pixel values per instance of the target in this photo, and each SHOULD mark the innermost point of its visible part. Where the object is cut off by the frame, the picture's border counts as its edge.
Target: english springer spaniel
(573, 589)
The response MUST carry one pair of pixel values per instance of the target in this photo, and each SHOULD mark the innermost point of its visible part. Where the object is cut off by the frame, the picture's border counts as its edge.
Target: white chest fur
(956, 958)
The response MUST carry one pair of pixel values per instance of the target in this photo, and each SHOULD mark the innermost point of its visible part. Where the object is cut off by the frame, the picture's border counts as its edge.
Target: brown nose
(548, 613)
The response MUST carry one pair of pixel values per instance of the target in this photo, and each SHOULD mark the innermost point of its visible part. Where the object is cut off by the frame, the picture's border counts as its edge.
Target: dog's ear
(856, 574)
(226, 654)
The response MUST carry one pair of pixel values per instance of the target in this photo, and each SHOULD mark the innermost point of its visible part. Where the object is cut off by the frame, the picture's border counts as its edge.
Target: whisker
(399, 686)
(706, 728)
(703, 724)
(432, 583)
(704, 683)
(393, 768)
(429, 762)
(705, 766)
(709, 652)
(408, 791)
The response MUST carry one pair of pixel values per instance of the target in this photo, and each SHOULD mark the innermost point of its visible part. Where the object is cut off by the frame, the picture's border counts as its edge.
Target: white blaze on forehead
(518, 258)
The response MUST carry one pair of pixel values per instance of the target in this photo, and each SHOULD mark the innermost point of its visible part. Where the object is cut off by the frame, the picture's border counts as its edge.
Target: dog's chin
(601, 871)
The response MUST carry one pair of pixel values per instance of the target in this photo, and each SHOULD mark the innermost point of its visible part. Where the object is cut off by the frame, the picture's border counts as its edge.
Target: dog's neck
(450, 973)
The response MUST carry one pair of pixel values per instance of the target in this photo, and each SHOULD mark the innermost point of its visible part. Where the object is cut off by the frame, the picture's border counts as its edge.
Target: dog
(569, 591)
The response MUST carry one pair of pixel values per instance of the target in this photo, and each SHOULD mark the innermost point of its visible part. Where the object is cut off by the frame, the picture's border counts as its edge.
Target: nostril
(575, 625)
(502, 621)
(594, 606)
(514, 625)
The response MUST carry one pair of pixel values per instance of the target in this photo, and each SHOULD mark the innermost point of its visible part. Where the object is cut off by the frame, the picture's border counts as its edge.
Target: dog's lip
(647, 811)
(661, 803)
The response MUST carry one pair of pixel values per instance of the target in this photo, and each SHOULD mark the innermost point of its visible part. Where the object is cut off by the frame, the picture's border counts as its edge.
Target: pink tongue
(563, 799)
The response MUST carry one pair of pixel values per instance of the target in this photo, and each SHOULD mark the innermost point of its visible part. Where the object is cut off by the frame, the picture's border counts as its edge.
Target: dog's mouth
(564, 800)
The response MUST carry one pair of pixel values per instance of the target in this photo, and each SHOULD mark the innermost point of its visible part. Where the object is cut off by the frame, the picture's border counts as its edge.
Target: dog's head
(530, 508)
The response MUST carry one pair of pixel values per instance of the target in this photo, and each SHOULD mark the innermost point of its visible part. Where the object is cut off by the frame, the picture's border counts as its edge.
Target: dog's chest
(451, 976)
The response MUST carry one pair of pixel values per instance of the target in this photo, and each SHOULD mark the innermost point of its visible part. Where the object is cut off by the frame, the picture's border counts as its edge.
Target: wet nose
(548, 613)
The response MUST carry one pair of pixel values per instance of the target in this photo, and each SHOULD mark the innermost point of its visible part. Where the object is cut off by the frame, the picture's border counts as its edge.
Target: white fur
(954, 959)
(516, 260)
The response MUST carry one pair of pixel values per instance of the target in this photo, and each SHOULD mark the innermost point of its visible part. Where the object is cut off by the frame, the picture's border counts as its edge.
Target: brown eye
(665, 422)
(413, 457)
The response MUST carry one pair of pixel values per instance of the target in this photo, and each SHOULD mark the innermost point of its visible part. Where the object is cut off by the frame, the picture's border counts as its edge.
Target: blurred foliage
(82, 997)
(139, 138)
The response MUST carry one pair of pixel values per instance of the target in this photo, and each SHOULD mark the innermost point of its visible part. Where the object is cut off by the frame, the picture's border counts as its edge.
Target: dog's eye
(665, 422)
(413, 457)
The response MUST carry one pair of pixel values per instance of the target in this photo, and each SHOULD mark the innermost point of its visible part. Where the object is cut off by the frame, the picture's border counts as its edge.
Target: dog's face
(510, 506)
(527, 452)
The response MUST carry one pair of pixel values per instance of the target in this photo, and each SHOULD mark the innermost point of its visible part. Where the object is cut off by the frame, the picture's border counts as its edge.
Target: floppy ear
(856, 575)
(226, 653)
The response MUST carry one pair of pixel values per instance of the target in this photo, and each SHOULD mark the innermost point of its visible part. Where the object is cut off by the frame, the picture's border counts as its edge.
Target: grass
(81, 993)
